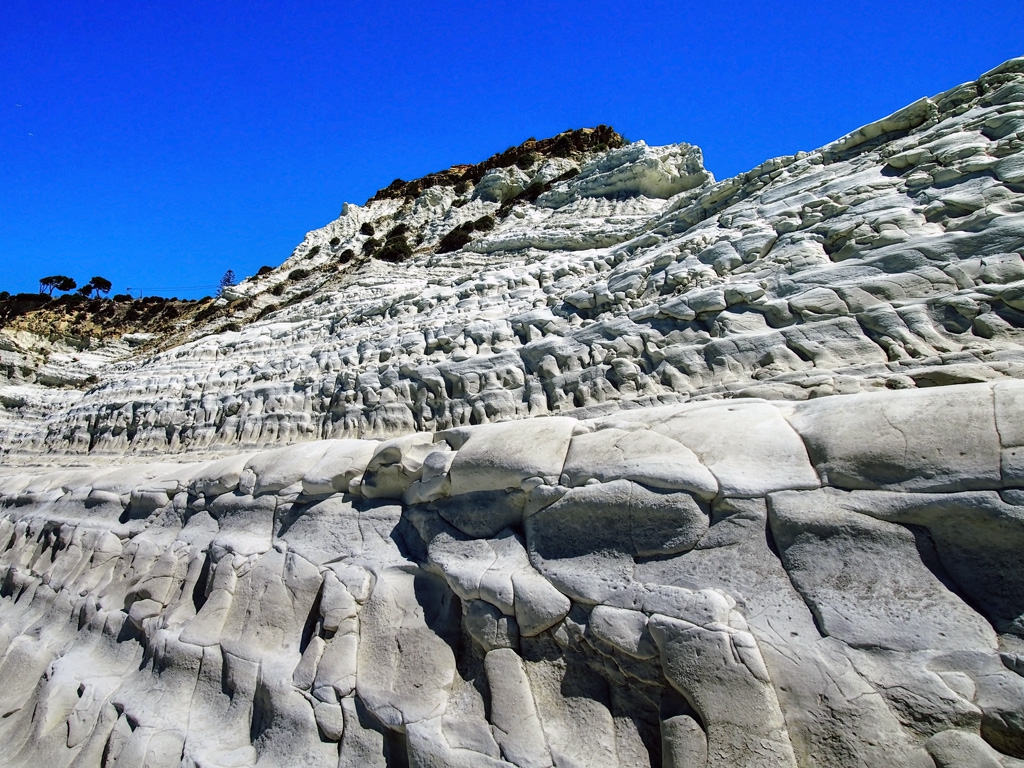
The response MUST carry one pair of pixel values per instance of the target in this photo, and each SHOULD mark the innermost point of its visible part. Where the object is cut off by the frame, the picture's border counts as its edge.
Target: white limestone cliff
(648, 470)
(890, 258)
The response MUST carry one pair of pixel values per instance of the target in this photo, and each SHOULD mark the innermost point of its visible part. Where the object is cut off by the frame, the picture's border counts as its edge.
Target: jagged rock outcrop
(577, 459)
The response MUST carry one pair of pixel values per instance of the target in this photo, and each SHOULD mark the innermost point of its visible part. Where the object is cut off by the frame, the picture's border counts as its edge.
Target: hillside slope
(574, 457)
(890, 258)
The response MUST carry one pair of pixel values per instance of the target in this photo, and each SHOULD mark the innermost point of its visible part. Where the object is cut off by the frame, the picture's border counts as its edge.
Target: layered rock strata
(890, 258)
(749, 583)
(575, 457)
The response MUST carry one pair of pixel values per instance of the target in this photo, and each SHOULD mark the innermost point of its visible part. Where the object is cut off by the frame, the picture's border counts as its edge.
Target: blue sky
(159, 144)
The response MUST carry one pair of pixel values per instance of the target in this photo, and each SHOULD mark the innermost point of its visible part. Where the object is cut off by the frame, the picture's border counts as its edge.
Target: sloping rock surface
(633, 469)
(890, 258)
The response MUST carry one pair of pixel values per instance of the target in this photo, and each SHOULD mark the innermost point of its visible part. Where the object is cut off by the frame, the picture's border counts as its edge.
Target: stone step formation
(574, 457)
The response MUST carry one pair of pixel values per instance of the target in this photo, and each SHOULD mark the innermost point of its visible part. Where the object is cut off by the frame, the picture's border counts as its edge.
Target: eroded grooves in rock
(646, 470)
(463, 600)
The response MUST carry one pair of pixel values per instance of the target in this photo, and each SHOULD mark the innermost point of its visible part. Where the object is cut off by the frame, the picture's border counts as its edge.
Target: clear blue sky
(159, 144)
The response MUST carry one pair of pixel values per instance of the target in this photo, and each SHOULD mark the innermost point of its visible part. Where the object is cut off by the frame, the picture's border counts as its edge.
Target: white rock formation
(653, 471)
(888, 259)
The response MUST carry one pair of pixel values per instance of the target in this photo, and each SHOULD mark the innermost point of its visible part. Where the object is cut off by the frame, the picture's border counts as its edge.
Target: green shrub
(264, 270)
(313, 251)
(370, 246)
(278, 289)
(525, 161)
(367, 229)
(395, 250)
(562, 146)
(533, 191)
(335, 242)
(455, 239)
(396, 231)
(484, 224)
(298, 274)
(207, 311)
(346, 256)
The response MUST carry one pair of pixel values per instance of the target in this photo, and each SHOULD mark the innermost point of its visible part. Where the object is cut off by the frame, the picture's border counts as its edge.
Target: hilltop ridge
(564, 145)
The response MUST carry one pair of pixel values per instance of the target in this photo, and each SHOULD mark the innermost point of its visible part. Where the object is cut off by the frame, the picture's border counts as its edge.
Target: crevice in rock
(395, 746)
(932, 560)
(200, 590)
(309, 629)
(262, 715)
(774, 549)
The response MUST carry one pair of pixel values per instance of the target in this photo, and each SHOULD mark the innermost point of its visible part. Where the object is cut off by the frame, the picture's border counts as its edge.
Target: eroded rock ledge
(749, 583)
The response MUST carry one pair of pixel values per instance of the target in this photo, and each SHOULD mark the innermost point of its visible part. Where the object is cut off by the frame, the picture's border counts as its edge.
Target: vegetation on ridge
(525, 155)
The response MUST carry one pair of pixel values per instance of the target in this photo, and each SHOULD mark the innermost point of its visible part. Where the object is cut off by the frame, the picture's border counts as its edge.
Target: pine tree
(58, 282)
(101, 285)
(226, 282)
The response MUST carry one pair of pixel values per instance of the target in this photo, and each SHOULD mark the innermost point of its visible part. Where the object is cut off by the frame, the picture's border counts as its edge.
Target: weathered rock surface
(654, 471)
(250, 611)
(890, 258)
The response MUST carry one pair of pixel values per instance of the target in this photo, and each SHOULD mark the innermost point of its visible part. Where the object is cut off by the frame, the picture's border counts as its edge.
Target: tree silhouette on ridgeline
(226, 281)
(100, 285)
(95, 287)
(47, 285)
